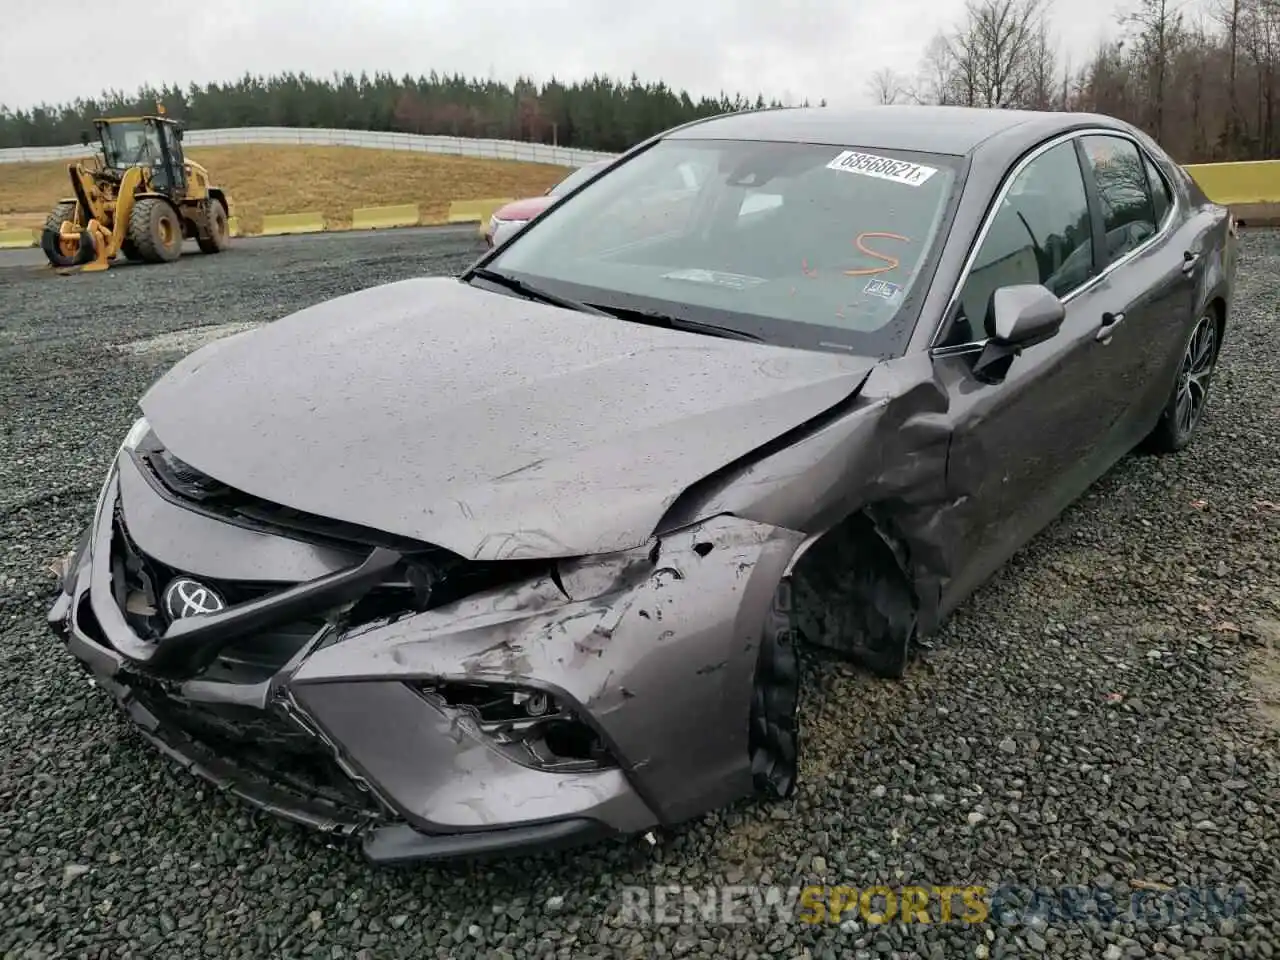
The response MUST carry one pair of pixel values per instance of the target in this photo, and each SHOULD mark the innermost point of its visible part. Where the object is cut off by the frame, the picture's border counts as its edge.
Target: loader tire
(59, 251)
(155, 230)
(219, 237)
(129, 250)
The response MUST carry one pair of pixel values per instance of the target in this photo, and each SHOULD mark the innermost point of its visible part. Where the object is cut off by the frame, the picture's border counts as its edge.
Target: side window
(1161, 195)
(1128, 212)
(1040, 234)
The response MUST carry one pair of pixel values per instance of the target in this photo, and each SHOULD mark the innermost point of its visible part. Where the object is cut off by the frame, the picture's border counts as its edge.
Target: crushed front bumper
(350, 729)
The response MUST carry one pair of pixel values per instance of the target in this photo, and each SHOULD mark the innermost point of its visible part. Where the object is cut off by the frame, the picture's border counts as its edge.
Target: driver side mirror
(177, 132)
(1021, 316)
(84, 138)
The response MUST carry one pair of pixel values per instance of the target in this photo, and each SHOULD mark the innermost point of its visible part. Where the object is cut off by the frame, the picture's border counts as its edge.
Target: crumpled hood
(486, 424)
(525, 209)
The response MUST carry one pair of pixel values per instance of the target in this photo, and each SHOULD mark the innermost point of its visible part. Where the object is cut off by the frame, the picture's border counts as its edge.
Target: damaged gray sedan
(521, 557)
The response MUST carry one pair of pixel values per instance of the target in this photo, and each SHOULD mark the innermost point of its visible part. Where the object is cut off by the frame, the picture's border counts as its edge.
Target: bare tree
(936, 77)
(1158, 25)
(887, 86)
(1001, 55)
(1233, 35)
(1042, 69)
(1207, 91)
(1262, 41)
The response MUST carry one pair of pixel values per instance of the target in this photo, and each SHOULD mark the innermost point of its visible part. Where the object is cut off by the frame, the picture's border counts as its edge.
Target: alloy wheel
(1194, 375)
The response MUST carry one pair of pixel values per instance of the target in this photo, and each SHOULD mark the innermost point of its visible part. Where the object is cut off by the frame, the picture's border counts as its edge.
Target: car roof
(927, 129)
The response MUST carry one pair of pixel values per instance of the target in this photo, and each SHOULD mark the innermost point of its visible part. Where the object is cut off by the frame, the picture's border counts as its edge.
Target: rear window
(803, 244)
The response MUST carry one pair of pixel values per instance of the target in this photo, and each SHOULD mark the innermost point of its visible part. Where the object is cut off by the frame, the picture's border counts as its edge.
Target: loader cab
(151, 142)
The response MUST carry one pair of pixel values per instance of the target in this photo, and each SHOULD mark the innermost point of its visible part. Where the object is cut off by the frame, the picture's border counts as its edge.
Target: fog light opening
(530, 726)
(571, 740)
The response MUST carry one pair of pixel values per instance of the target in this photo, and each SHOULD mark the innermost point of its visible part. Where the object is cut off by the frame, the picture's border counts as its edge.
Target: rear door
(1148, 278)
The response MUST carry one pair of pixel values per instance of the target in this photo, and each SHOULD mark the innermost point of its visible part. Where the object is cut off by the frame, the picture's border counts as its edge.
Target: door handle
(1189, 260)
(1109, 323)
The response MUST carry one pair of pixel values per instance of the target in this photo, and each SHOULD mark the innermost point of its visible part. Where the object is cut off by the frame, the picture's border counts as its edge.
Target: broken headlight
(529, 726)
(136, 432)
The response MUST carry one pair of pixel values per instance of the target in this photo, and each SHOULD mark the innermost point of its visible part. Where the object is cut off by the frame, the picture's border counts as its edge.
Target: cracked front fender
(660, 663)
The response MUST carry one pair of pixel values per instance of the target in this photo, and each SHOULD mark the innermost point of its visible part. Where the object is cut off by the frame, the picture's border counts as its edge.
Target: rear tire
(1190, 394)
(219, 237)
(155, 230)
(58, 250)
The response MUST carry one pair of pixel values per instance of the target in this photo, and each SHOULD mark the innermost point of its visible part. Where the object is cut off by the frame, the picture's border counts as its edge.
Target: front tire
(1186, 404)
(774, 733)
(155, 229)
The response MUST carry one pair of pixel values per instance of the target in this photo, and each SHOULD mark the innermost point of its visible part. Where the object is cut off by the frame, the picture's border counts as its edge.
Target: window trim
(1149, 164)
(993, 209)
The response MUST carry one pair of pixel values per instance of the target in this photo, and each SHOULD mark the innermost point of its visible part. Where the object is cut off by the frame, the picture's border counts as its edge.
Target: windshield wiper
(535, 293)
(532, 292)
(679, 323)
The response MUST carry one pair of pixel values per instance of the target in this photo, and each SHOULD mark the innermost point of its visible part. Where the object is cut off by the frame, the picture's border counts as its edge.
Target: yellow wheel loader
(138, 197)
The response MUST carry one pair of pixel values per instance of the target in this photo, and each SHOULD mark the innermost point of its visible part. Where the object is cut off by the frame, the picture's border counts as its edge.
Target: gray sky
(784, 48)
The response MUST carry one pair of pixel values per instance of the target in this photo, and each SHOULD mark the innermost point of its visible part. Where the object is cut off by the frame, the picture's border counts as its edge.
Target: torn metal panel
(887, 456)
(648, 659)
(443, 776)
(627, 645)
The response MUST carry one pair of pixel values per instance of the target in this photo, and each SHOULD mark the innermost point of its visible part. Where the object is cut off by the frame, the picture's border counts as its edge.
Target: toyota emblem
(185, 597)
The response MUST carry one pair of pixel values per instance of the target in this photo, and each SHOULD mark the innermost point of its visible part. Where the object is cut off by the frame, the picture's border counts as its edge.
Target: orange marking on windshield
(892, 262)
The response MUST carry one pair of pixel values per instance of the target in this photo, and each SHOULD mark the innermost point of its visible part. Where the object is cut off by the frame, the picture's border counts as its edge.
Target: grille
(263, 745)
(138, 580)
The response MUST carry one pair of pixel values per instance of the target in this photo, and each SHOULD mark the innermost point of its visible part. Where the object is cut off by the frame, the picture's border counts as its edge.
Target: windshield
(799, 244)
(128, 144)
(573, 180)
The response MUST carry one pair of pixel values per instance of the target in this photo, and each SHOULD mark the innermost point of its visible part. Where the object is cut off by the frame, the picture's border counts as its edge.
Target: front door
(175, 173)
(1025, 446)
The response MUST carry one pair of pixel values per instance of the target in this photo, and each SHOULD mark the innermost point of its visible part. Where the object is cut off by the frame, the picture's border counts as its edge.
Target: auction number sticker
(882, 168)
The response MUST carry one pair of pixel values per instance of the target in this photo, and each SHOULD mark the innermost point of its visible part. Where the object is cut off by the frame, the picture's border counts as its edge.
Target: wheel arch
(1218, 304)
(851, 591)
(152, 195)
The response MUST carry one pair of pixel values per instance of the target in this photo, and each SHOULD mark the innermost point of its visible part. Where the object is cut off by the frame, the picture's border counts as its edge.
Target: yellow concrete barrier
(13, 239)
(1257, 214)
(1254, 181)
(274, 224)
(374, 218)
(474, 211)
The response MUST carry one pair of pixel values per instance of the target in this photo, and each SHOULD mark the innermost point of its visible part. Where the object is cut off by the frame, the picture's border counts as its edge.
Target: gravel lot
(1090, 718)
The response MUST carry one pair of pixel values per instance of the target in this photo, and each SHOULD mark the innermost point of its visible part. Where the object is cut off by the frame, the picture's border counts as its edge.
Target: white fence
(458, 146)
